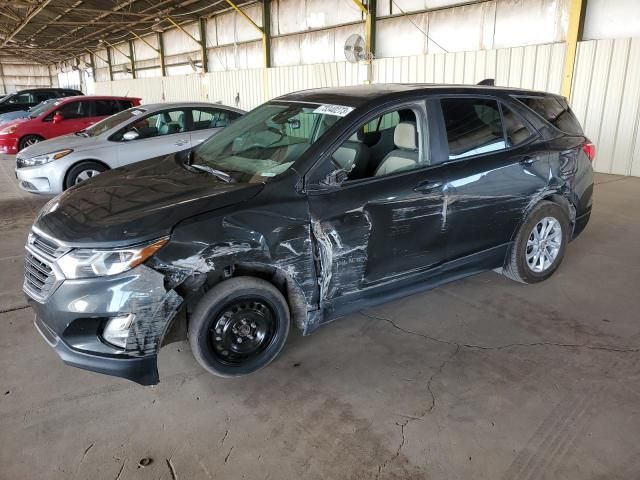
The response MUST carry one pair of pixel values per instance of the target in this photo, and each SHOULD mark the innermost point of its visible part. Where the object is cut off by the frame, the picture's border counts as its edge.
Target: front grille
(40, 279)
(38, 275)
(46, 246)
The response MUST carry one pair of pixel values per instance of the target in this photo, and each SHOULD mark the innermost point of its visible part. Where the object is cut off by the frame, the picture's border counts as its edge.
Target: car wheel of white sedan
(82, 172)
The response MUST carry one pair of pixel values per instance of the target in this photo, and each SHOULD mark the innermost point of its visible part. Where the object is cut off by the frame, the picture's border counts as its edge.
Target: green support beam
(109, 64)
(203, 44)
(132, 60)
(266, 32)
(163, 64)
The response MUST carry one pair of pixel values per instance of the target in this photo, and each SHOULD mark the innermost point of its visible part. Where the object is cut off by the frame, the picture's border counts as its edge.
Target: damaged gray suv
(313, 205)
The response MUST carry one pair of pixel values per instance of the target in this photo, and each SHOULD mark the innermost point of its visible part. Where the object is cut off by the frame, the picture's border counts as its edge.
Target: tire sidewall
(213, 304)
(545, 209)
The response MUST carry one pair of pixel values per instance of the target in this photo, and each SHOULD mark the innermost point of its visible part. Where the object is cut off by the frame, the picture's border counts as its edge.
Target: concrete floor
(483, 379)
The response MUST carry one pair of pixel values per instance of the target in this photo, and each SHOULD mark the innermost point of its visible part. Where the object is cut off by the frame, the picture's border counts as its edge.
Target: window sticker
(337, 110)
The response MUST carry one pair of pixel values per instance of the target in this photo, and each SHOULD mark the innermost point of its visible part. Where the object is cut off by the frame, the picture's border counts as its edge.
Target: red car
(60, 117)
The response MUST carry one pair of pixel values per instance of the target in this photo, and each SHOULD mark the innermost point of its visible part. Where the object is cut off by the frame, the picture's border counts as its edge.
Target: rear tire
(239, 327)
(83, 171)
(28, 141)
(540, 244)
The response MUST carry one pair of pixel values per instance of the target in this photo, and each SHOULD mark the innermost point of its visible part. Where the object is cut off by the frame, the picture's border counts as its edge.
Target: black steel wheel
(244, 328)
(239, 326)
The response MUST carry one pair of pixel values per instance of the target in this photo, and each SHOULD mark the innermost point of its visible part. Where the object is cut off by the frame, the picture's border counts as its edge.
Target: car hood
(72, 141)
(136, 203)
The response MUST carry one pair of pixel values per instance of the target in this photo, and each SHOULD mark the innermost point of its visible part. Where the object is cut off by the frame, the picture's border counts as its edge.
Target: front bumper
(8, 144)
(142, 370)
(72, 317)
(45, 179)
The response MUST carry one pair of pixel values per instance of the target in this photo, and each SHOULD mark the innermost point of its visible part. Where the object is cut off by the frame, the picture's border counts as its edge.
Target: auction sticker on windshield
(337, 110)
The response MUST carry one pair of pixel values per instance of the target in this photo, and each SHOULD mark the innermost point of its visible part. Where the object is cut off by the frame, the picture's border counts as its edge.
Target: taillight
(590, 149)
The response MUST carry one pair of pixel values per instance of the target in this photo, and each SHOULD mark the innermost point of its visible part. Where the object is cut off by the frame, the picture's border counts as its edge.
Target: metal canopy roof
(49, 31)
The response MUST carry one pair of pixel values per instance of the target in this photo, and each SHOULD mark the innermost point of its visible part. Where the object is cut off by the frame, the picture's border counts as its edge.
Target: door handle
(428, 186)
(528, 160)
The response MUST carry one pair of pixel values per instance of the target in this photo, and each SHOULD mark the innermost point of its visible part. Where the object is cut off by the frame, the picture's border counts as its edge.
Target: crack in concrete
(458, 347)
(14, 309)
(606, 348)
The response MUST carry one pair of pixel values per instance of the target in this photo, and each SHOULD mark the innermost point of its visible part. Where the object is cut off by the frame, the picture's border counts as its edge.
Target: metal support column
(132, 60)
(163, 65)
(574, 35)
(109, 63)
(203, 45)
(266, 32)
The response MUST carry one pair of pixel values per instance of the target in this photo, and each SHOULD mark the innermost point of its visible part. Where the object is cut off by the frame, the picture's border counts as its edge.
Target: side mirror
(334, 179)
(57, 118)
(130, 135)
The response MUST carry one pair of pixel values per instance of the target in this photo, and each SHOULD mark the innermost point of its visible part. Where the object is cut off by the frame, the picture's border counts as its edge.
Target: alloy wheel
(85, 175)
(543, 244)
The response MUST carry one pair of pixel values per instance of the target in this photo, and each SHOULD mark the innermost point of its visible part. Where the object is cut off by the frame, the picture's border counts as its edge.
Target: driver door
(160, 134)
(384, 221)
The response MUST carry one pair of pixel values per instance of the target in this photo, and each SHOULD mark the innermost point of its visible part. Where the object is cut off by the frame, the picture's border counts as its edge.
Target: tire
(29, 140)
(245, 308)
(522, 264)
(83, 171)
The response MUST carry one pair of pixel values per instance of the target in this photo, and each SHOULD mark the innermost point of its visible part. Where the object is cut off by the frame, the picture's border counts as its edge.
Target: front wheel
(83, 171)
(28, 141)
(540, 244)
(239, 327)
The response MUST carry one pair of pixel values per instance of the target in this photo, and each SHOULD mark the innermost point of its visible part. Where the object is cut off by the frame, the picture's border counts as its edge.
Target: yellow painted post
(574, 34)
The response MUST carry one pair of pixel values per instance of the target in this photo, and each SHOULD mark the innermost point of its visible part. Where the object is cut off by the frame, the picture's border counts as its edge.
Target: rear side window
(124, 104)
(203, 119)
(474, 126)
(107, 107)
(555, 111)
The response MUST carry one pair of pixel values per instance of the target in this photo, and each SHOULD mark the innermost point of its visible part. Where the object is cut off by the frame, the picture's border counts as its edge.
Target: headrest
(405, 136)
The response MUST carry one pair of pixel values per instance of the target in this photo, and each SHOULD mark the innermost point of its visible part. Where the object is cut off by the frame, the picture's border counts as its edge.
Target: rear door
(159, 133)
(496, 167)
(205, 121)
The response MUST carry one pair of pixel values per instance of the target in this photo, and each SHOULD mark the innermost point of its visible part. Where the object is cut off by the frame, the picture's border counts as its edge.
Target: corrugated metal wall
(607, 71)
(606, 99)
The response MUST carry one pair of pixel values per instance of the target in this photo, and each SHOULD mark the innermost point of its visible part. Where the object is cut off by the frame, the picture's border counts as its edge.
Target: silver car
(132, 135)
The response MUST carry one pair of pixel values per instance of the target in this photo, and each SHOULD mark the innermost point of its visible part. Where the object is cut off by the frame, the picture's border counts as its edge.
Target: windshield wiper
(225, 177)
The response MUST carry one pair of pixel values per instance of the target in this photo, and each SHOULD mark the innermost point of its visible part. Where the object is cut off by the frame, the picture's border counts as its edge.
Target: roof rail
(490, 82)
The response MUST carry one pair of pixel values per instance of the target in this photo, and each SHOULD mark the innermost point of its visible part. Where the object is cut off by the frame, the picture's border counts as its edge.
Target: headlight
(87, 263)
(8, 130)
(42, 159)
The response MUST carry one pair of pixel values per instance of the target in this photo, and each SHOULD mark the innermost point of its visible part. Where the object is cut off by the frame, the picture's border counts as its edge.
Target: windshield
(265, 142)
(4, 97)
(113, 121)
(42, 107)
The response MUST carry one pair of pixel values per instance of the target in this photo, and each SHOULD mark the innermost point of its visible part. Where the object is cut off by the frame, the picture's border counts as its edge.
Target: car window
(516, 132)
(22, 99)
(42, 96)
(124, 104)
(267, 141)
(113, 121)
(106, 107)
(162, 123)
(473, 126)
(387, 144)
(209, 118)
(556, 111)
(71, 110)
